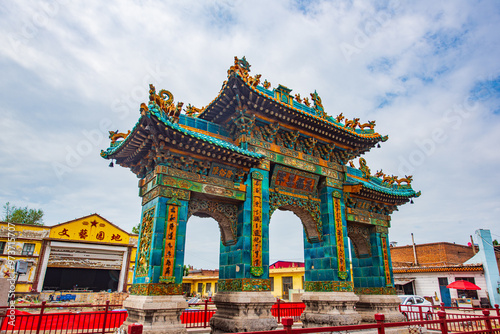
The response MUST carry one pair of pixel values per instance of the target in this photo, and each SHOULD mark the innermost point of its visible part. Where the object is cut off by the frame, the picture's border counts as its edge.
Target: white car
(411, 305)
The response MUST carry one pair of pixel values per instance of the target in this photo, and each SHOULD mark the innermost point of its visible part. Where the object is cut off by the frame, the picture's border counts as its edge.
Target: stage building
(85, 254)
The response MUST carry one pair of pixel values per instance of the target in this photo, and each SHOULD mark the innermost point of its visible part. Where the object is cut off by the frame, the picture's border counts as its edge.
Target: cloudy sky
(428, 72)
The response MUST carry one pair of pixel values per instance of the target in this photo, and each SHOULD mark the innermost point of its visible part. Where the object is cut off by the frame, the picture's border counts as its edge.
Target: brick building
(427, 269)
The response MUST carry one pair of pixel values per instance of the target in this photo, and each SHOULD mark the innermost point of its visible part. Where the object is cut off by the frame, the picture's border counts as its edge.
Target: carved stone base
(329, 309)
(158, 314)
(243, 312)
(368, 305)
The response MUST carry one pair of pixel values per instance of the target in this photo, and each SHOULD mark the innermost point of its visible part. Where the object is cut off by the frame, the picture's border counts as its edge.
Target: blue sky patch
(486, 89)
(443, 41)
(383, 65)
(385, 100)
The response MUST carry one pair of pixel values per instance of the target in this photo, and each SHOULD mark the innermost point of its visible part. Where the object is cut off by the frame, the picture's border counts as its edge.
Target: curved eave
(138, 140)
(206, 138)
(257, 96)
(130, 144)
(397, 195)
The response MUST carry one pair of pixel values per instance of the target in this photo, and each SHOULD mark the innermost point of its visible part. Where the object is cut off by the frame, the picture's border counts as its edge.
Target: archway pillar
(156, 299)
(329, 296)
(376, 292)
(244, 299)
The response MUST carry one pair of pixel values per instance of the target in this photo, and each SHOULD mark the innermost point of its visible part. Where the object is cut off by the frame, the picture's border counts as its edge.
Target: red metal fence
(486, 324)
(290, 310)
(193, 317)
(105, 321)
(459, 319)
(198, 315)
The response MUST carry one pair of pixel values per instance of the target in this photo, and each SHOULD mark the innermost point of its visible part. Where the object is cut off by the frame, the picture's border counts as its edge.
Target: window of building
(209, 287)
(443, 281)
(466, 293)
(28, 249)
(216, 288)
(2, 247)
(272, 283)
(186, 288)
(287, 285)
(200, 288)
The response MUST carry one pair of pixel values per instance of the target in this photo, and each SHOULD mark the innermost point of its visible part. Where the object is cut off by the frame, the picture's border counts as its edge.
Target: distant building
(287, 281)
(201, 282)
(88, 253)
(429, 268)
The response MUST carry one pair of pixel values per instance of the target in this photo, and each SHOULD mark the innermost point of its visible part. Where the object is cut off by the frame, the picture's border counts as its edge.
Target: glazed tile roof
(355, 176)
(301, 108)
(153, 109)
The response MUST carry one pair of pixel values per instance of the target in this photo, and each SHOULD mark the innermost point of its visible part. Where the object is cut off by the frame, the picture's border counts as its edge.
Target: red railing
(198, 315)
(105, 321)
(442, 324)
(460, 319)
(198, 318)
(290, 310)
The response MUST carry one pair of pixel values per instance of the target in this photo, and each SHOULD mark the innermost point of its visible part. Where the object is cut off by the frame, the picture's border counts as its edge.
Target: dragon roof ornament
(380, 181)
(164, 100)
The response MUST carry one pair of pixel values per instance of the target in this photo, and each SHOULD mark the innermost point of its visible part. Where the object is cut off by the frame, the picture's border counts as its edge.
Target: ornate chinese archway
(251, 151)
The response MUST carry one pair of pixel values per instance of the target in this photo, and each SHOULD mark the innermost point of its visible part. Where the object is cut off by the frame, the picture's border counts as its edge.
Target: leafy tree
(13, 214)
(136, 228)
(495, 242)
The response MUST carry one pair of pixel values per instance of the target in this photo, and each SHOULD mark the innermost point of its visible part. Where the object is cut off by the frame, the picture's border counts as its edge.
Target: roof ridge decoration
(380, 179)
(162, 106)
(164, 100)
(115, 135)
(241, 68)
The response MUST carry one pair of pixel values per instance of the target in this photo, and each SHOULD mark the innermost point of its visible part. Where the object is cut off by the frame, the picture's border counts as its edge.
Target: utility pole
(414, 250)
(472, 243)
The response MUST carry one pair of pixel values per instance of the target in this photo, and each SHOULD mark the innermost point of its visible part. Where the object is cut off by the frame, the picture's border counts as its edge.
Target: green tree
(136, 228)
(495, 242)
(13, 214)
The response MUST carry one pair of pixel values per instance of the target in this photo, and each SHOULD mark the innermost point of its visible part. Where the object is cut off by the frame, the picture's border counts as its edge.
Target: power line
(489, 244)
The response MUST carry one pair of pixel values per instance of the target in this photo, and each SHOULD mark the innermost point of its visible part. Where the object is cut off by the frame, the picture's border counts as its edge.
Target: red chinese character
(116, 237)
(100, 236)
(83, 234)
(64, 232)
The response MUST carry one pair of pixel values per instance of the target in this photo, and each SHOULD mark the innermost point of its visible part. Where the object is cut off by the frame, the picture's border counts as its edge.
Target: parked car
(411, 305)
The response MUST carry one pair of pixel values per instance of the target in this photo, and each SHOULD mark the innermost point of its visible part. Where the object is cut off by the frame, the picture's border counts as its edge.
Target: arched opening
(211, 224)
(201, 257)
(359, 236)
(286, 255)
(361, 253)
